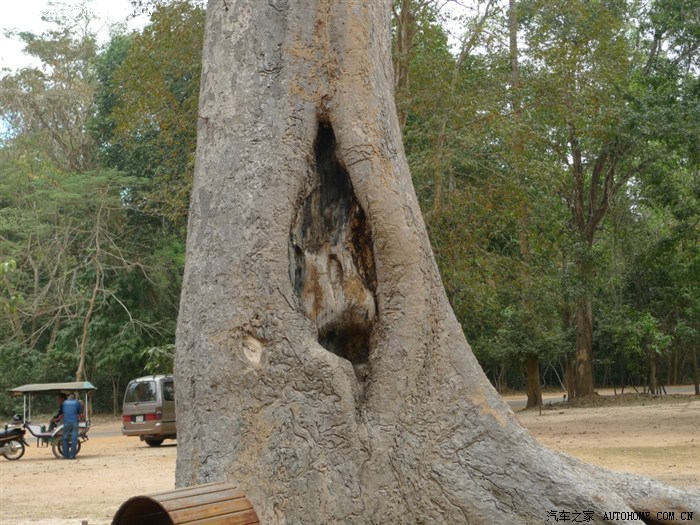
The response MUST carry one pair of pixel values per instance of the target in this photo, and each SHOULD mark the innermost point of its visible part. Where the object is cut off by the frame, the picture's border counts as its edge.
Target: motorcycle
(12, 442)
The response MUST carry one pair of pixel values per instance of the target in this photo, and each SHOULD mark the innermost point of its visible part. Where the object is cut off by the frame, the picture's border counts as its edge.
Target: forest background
(554, 147)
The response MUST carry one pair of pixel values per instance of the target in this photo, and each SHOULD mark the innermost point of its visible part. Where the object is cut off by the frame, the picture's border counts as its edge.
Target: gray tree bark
(319, 365)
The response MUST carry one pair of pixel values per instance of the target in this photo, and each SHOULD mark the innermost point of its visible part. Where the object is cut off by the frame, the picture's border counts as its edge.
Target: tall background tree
(569, 124)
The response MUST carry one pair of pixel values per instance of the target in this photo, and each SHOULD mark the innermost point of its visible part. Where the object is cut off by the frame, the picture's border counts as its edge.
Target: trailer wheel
(57, 448)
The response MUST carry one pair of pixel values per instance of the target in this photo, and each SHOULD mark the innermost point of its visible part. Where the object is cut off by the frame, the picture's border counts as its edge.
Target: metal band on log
(210, 504)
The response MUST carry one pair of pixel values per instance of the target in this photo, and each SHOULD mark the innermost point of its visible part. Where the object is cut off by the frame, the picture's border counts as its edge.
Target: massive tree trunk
(319, 364)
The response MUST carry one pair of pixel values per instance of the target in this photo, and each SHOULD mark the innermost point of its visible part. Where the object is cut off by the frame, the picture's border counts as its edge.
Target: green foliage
(19, 367)
(490, 218)
(494, 165)
(159, 359)
(147, 106)
(12, 300)
(97, 152)
(92, 274)
(46, 109)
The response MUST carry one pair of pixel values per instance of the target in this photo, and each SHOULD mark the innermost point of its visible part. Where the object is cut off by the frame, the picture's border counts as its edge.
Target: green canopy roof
(57, 388)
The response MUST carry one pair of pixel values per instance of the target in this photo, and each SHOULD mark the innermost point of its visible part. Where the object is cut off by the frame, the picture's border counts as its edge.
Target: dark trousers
(70, 431)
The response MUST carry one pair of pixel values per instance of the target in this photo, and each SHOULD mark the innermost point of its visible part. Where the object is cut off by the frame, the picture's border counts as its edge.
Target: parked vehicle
(149, 409)
(50, 438)
(12, 443)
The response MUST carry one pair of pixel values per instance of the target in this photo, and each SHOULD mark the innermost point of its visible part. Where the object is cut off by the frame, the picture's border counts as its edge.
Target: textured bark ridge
(319, 365)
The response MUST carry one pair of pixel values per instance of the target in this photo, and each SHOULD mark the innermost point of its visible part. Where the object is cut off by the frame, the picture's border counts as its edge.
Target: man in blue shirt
(71, 418)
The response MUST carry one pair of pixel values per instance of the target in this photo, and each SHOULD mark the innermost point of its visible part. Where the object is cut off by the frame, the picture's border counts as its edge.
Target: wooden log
(209, 504)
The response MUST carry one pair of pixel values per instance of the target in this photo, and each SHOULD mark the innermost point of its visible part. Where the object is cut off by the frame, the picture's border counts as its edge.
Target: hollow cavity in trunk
(333, 270)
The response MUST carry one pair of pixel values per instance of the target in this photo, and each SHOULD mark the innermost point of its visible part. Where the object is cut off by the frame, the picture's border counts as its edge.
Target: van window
(169, 391)
(141, 392)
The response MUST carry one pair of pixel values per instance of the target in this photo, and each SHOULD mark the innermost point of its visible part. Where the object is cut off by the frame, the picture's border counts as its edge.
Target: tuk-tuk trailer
(53, 438)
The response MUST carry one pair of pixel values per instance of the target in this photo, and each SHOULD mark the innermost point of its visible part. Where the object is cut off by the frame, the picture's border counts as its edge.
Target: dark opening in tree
(333, 265)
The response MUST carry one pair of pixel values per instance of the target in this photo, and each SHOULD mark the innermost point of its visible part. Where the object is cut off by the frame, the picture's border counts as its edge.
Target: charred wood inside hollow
(332, 266)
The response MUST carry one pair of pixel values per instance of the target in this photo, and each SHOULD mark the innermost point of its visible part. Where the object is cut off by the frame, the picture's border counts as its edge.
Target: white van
(149, 409)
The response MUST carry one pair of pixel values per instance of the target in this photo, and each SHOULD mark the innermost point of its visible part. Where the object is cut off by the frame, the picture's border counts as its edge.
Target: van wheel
(154, 442)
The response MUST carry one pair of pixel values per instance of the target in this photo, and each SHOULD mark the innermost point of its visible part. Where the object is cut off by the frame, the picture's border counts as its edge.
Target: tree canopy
(554, 148)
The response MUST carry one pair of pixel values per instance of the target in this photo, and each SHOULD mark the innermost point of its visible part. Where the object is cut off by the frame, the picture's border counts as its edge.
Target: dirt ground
(660, 439)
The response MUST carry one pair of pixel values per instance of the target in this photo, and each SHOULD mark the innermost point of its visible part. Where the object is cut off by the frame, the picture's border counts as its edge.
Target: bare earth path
(660, 440)
(657, 440)
(41, 490)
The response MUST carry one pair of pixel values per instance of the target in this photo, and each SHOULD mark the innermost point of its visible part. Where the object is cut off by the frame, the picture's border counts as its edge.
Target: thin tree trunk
(676, 358)
(604, 383)
(80, 372)
(696, 376)
(653, 382)
(469, 42)
(16, 326)
(592, 189)
(55, 329)
(534, 387)
(33, 332)
(570, 378)
(584, 348)
(405, 23)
